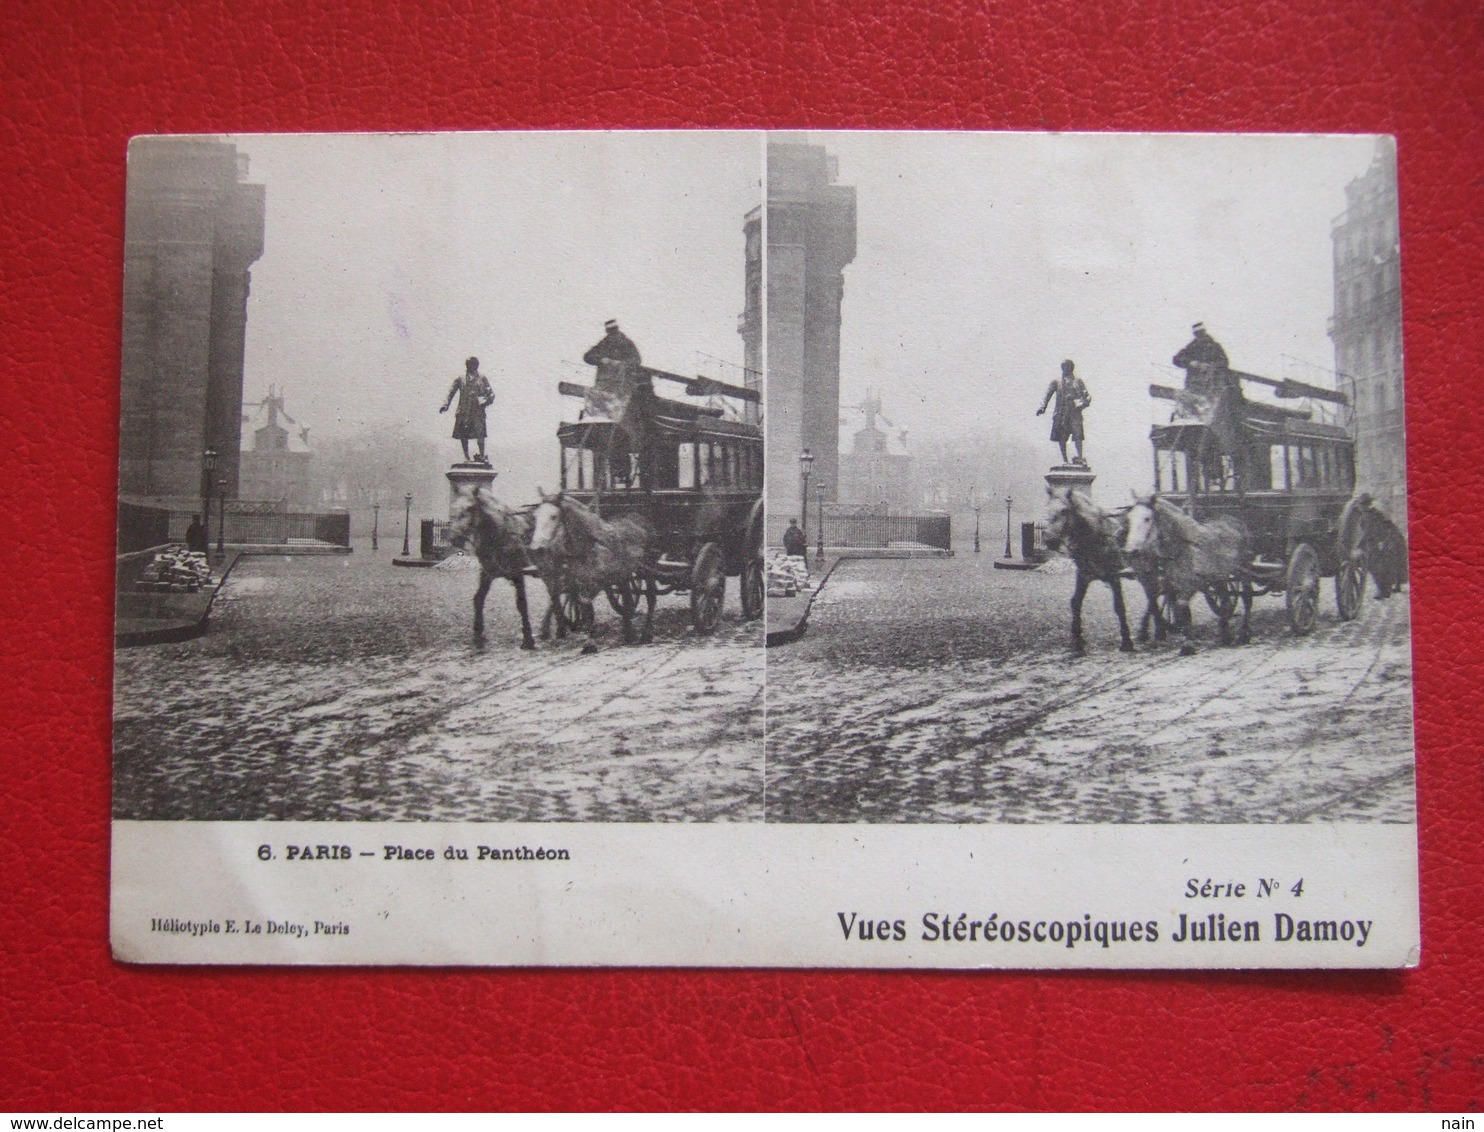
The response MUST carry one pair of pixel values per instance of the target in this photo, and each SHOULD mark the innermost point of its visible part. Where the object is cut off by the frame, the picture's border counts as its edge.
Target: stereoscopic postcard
(763, 549)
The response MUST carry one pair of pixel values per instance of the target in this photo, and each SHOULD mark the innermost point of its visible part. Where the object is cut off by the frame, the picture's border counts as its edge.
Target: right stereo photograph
(1086, 482)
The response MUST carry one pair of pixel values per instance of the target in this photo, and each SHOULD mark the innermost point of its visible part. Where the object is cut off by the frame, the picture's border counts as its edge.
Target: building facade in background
(193, 229)
(875, 465)
(1367, 330)
(750, 322)
(810, 227)
(276, 465)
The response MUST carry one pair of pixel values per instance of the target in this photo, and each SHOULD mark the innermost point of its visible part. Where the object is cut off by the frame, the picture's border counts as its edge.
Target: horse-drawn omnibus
(694, 477)
(1287, 477)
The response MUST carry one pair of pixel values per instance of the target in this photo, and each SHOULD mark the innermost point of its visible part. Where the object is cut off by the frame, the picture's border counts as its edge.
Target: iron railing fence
(269, 529)
(433, 538)
(884, 530)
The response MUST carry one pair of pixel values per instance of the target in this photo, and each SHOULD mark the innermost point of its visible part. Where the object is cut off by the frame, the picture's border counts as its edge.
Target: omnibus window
(686, 472)
(623, 471)
(1218, 473)
(1171, 471)
(665, 465)
(577, 469)
(1308, 472)
(1259, 468)
(1283, 466)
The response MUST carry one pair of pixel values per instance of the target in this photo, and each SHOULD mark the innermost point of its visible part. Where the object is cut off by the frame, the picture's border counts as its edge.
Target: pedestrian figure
(1066, 419)
(196, 537)
(1386, 550)
(795, 541)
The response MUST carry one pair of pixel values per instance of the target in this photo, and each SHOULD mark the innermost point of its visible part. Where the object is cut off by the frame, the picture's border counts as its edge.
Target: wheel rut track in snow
(1015, 725)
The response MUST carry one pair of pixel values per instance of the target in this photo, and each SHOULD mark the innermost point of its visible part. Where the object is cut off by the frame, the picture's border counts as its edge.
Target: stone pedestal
(467, 477)
(1076, 476)
(461, 477)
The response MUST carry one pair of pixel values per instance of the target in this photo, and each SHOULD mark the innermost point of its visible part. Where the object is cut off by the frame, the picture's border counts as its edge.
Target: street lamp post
(976, 528)
(1007, 526)
(221, 520)
(407, 527)
(806, 461)
(819, 494)
(375, 521)
(208, 468)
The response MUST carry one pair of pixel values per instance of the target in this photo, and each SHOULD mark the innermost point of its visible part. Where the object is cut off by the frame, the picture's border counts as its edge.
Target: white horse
(1189, 558)
(583, 555)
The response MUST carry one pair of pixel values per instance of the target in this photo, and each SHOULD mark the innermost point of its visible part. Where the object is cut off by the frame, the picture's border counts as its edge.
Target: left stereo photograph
(440, 498)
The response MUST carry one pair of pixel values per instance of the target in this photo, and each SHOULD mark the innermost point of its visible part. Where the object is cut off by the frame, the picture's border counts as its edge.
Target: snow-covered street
(346, 688)
(945, 691)
(924, 691)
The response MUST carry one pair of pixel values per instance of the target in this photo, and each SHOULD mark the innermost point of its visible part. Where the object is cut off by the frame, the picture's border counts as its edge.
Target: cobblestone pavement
(946, 691)
(929, 690)
(346, 688)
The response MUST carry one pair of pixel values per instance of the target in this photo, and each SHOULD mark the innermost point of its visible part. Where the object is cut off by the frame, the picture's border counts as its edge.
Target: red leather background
(78, 1031)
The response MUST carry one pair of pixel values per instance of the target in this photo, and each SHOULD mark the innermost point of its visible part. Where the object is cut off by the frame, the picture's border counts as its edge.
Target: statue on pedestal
(1066, 419)
(475, 396)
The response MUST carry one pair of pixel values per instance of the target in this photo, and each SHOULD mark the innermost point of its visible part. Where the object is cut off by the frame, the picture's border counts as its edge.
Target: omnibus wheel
(575, 613)
(708, 589)
(1302, 589)
(1222, 598)
(624, 596)
(1167, 609)
(752, 589)
(1350, 549)
(1350, 586)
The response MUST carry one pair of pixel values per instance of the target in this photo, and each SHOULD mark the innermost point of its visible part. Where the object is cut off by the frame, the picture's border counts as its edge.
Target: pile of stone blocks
(787, 574)
(175, 571)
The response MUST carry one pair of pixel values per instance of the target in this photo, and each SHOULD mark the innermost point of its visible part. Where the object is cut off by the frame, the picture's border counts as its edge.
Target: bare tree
(375, 465)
